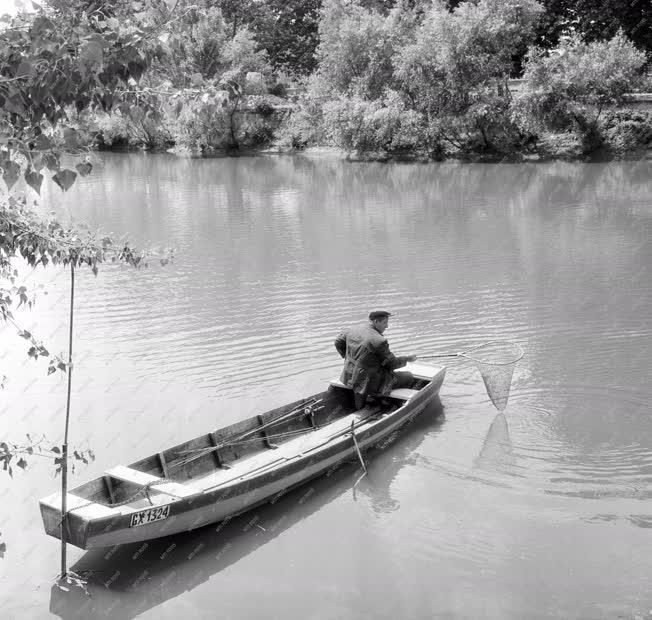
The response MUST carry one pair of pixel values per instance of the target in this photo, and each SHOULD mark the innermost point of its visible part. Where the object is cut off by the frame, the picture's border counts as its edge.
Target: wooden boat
(229, 471)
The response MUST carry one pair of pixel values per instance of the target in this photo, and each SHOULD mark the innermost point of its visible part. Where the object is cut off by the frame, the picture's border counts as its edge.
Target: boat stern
(76, 524)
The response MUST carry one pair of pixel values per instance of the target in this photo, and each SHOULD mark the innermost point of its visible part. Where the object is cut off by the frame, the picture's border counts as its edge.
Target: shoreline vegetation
(367, 80)
(390, 81)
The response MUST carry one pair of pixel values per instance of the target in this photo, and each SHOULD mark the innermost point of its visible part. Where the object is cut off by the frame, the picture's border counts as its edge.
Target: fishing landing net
(496, 361)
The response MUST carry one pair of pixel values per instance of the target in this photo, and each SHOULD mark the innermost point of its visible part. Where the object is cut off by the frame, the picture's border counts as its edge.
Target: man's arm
(340, 344)
(391, 361)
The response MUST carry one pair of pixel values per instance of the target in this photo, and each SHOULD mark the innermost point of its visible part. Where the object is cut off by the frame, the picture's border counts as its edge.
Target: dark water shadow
(125, 581)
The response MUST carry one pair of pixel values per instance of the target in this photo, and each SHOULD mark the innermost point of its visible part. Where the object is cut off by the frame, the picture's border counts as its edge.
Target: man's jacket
(368, 362)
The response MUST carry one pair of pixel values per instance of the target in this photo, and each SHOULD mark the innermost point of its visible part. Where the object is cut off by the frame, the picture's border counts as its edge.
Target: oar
(357, 449)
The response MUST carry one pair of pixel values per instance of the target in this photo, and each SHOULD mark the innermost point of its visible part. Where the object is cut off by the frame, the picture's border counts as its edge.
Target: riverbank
(266, 124)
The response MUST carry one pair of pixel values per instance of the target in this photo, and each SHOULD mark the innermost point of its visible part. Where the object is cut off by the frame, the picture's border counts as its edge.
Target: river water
(541, 512)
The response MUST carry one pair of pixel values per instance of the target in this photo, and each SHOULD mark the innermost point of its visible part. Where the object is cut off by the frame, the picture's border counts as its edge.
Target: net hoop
(516, 351)
(496, 361)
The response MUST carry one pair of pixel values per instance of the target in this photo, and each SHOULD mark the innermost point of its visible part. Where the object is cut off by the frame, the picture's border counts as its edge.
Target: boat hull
(238, 495)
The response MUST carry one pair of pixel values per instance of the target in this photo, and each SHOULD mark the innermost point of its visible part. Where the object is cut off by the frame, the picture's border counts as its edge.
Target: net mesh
(496, 362)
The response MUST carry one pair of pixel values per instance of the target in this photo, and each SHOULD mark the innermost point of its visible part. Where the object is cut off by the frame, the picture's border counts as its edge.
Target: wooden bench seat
(400, 394)
(142, 479)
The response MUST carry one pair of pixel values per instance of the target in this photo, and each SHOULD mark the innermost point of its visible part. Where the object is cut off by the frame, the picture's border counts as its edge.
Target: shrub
(216, 118)
(205, 124)
(455, 70)
(278, 89)
(559, 145)
(570, 87)
(357, 124)
(356, 48)
(628, 130)
(112, 129)
(303, 126)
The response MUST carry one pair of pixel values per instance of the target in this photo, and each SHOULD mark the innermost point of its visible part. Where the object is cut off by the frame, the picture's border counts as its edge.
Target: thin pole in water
(357, 449)
(64, 451)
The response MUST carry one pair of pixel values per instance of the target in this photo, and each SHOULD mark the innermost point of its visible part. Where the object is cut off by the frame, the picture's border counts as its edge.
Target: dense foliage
(571, 87)
(384, 76)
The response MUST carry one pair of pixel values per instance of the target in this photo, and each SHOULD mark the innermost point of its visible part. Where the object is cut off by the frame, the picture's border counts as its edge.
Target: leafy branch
(13, 452)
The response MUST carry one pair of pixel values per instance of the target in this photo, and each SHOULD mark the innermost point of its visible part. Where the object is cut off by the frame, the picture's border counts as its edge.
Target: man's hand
(411, 358)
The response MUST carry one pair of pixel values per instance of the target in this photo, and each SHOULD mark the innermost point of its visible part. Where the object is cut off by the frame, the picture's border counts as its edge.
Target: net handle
(466, 352)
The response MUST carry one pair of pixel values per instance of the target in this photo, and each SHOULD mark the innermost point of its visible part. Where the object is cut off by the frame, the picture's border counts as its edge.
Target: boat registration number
(150, 515)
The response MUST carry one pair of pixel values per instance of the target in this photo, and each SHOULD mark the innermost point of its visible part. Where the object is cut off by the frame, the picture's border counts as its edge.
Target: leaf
(84, 168)
(136, 114)
(37, 160)
(55, 449)
(11, 173)
(14, 105)
(51, 162)
(71, 138)
(51, 369)
(91, 52)
(196, 79)
(34, 180)
(61, 366)
(25, 334)
(65, 178)
(24, 69)
(32, 352)
(42, 143)
(22, 463)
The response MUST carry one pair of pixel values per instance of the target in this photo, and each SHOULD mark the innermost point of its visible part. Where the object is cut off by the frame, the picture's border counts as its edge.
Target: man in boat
(369, 365)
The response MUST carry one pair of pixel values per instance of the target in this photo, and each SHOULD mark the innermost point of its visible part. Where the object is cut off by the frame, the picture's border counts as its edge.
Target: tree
(288, 31)
(455, 72)
(596, 21)
(357, 46)
(358, 124)
(570, 87)
(50, 66)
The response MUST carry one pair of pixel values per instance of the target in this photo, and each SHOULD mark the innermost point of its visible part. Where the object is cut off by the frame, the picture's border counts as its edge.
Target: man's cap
(378, 314)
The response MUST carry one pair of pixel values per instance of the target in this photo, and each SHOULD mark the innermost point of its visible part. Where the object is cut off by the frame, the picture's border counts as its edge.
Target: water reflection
(274, 256)
(497, 453)
(125, 581)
